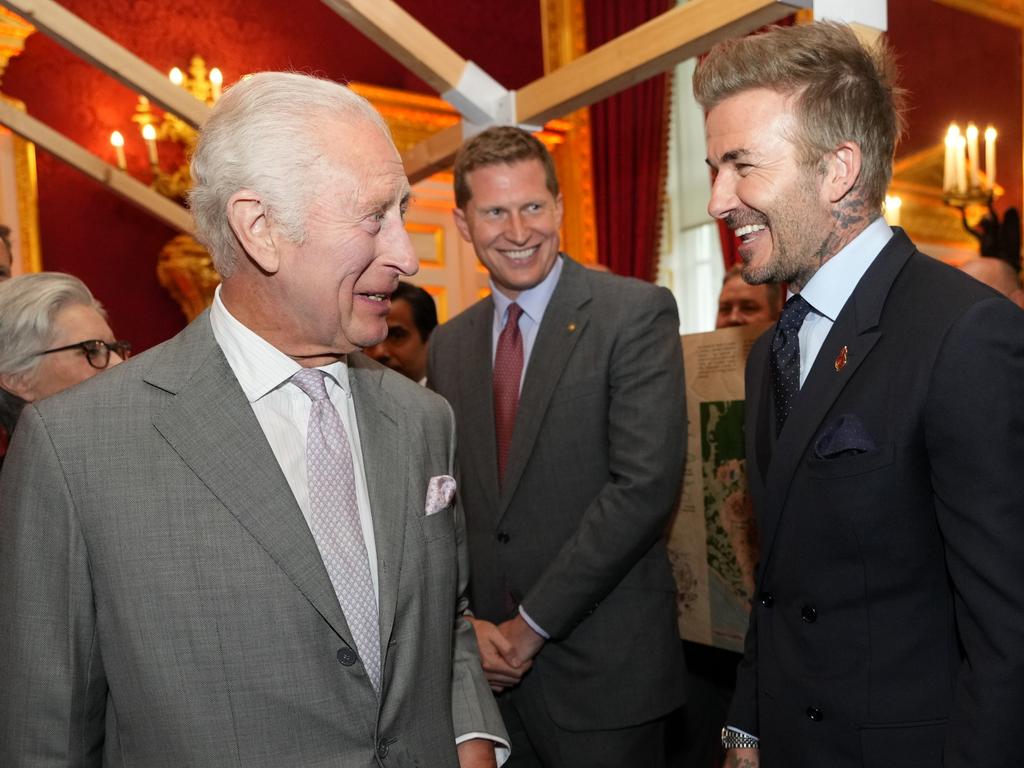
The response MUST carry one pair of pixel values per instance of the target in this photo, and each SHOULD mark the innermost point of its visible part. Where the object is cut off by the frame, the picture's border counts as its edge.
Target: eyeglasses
(96, 351)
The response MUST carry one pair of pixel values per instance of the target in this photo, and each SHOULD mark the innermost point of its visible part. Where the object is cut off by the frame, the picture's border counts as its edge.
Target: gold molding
(563, 27)
(1008, 12)
(14, 30)
(26, 186)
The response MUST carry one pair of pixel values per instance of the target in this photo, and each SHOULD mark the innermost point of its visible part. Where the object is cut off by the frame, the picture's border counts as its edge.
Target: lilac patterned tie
(334, 519)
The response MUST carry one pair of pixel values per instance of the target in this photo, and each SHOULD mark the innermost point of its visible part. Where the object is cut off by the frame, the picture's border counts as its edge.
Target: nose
(516, 231)
(115, 359)
(723, 196)
(400, 254)
(378, 352)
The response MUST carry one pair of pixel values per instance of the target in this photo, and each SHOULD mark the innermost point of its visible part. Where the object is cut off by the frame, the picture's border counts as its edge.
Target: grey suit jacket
(593, 472)
(165, 604)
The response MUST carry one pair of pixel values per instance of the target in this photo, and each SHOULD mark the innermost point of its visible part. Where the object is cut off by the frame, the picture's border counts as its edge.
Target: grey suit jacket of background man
(888, 629)
(593, 473)
(164, 602)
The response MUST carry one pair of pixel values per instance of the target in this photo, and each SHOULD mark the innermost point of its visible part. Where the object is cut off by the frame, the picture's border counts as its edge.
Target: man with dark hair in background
(885, 434)
(411, 320)
(568, 390)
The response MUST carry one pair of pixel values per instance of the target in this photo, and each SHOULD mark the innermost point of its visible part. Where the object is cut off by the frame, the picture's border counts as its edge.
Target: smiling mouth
(747, 233)
(520, 254)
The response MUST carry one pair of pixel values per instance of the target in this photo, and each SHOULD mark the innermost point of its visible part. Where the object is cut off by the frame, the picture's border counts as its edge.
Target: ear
(559, 210)
(842, 170)
(247, 216)
(18, 384)
(461, 224)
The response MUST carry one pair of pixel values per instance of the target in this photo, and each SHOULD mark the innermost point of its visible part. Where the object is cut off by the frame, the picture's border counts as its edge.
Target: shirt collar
(259, 366)
(831, 286)
(533, 301)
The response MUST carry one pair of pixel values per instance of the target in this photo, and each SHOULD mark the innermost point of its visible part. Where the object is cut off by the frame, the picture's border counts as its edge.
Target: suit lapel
(564, 322)
(856, 328)
(381, 439)
(211, 426)
(477, 397)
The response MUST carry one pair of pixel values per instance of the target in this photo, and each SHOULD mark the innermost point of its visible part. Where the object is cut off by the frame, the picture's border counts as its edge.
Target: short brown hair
(500, 144)
(844, 91)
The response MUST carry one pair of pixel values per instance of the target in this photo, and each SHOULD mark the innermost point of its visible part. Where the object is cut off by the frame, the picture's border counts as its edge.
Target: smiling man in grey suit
(567, 386)
(243, 549)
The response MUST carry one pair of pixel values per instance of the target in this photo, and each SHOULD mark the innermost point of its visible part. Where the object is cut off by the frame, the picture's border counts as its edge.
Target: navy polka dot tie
(784, 361)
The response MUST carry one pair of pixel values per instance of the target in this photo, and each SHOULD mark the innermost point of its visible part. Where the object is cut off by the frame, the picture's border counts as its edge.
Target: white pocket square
(440, 493)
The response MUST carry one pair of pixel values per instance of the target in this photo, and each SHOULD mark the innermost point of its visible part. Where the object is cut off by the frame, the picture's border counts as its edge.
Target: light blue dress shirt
(831, 287)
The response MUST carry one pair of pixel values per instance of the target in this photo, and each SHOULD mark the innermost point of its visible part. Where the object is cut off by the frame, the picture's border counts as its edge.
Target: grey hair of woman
(29, 305)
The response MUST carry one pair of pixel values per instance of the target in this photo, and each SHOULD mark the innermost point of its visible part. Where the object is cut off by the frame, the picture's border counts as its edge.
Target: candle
(961, 165)
(176, 76)
(972, 153)
(216, 81)
(149, 134)
(990, 156)
(893, 203)
(949, 169)
(117, 140)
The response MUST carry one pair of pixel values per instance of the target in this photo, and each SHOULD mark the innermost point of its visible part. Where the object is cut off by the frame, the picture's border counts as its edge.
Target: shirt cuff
(502, 750)
(533, 625)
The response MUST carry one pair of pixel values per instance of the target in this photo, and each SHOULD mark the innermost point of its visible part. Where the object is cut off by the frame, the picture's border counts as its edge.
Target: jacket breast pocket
(855, 464)
(440, 524)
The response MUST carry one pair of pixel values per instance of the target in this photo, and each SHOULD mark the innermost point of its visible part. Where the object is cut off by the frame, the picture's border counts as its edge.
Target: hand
(525, 642)
(477, 753)
(496, 657)
(742, 758)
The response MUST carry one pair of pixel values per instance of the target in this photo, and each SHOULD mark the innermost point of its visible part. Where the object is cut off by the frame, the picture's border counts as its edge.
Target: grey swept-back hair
(28, 306)
(268, 134)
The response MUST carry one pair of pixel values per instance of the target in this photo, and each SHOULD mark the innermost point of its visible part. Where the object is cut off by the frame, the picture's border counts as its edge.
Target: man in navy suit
(885, 434)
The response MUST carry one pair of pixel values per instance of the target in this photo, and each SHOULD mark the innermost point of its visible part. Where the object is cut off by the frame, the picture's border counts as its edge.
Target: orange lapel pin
(841, 359)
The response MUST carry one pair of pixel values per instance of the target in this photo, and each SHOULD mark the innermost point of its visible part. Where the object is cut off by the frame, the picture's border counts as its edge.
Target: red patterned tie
(508, 370)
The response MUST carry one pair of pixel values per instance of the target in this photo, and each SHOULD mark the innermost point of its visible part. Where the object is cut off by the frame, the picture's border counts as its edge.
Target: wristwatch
(733, 738)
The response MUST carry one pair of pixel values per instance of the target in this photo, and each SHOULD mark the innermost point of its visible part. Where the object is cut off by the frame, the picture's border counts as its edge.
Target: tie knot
(311, 381)
(514, 313)
(793, 313)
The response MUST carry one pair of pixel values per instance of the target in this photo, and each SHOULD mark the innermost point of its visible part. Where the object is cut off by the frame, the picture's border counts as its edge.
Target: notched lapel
(564, 323)
(210, 425)
(856, 329)
(382, 438)
(476, 389)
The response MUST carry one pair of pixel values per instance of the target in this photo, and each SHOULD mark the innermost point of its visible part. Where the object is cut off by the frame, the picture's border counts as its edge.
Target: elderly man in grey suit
(567, 386)
(243, 550)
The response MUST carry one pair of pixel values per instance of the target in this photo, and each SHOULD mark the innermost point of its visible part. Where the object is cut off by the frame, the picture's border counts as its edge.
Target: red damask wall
(111, 245)
(958, 66)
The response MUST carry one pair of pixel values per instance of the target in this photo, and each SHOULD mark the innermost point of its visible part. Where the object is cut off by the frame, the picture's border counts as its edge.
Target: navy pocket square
(846, 436)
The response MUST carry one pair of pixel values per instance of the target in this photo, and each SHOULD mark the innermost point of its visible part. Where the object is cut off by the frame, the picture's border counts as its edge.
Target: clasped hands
(506, 650)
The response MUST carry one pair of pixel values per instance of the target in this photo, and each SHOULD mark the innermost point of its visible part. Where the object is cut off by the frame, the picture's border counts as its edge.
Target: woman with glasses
(53, 334)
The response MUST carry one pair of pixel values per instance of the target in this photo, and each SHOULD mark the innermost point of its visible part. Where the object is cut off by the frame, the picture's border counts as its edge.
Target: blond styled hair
(844, 91)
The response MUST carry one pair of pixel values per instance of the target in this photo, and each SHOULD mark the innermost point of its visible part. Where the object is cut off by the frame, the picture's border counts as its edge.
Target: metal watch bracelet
(734, 739)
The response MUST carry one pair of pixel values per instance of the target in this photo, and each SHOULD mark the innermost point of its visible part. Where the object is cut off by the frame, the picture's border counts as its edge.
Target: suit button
(809, 614)
(503, 537)
(815, 714)
(347, 656)
(383, 746)
(767, 599)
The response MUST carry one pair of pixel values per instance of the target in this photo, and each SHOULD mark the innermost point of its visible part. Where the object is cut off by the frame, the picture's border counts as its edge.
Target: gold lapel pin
(841, 359)
(571, 327)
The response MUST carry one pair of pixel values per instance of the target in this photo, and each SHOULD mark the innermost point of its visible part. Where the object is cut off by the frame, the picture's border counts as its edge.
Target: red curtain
(630, 142)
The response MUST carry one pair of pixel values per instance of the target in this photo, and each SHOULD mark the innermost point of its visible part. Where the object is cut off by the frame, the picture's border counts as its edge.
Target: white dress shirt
(282, 409)
(831, 287)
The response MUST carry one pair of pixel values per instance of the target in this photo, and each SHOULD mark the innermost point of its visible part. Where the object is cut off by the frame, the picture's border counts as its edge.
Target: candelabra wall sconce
(966, 188)
(168, 140)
